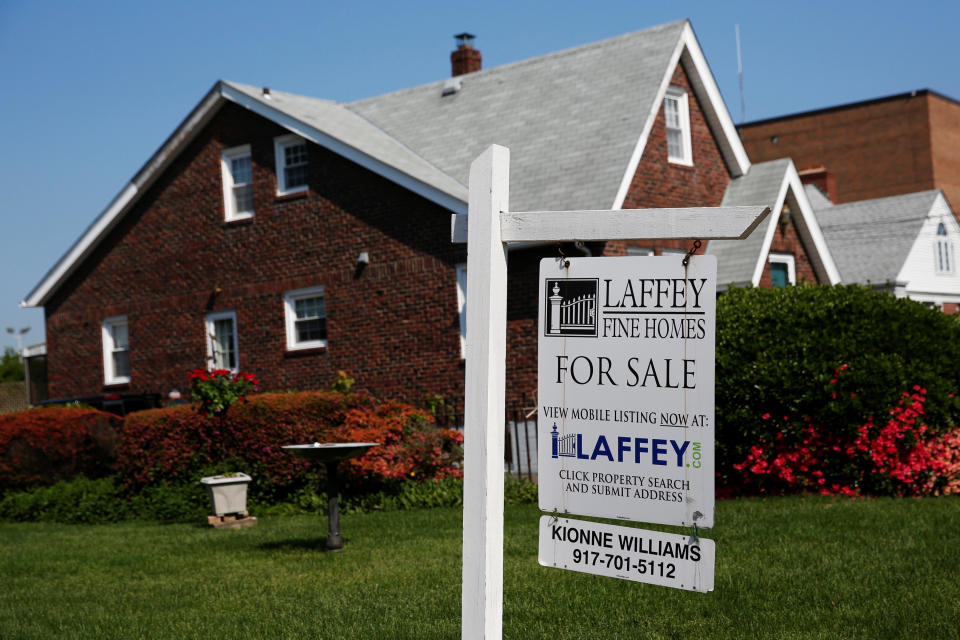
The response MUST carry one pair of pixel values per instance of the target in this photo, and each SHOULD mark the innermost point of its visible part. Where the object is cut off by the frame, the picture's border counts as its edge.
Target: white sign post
(491, 226)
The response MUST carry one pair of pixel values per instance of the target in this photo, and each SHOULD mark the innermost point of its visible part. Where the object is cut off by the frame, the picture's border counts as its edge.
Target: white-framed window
(639, 251)
(462, 306)
(116, 350)
(783, 269)
(676, 110)
(237, 170)
(944, 251)
(291, 158)
(305, 311)
(223, 351)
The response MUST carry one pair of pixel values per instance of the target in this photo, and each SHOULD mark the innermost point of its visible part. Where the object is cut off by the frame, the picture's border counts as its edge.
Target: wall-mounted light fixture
(786, 217)
(363, 258)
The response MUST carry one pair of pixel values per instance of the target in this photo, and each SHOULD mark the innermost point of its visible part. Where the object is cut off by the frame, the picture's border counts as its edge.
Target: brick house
(872, 149)
(295, 237)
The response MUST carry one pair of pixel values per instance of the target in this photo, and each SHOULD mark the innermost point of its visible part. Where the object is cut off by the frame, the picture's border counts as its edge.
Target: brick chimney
(820, 177)
(465, 59)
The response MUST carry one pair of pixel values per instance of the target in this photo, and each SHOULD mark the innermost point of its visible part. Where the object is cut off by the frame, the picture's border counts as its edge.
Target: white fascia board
(159, 161)
(317, 136)
(65, 266)
(714, 104)
(768, 233)
(811, 228)
(709, 96)
(634, 162)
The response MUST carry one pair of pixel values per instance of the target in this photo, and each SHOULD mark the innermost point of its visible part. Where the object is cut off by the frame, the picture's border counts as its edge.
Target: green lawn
(786, 568)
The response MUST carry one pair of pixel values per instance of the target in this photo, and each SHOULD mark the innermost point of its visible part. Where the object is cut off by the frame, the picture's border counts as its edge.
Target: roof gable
(774, 183)
(871, 239)
(575, 121)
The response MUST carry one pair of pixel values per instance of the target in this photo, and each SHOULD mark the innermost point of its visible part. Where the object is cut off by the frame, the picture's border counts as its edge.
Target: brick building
(294, 237)
(872, 149)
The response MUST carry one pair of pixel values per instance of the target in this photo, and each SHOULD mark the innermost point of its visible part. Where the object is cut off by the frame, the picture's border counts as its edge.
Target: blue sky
(90, 90)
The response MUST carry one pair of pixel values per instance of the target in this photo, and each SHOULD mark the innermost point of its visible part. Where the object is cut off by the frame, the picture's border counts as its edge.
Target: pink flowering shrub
(899, 455)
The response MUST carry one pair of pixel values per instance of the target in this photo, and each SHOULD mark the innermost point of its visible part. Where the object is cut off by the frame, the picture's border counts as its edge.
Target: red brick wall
(876, 149)
(394, 327)
(945, 125)
(659, 183)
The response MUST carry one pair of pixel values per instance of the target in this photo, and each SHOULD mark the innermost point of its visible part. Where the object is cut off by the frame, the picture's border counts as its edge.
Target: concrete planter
(228, 494)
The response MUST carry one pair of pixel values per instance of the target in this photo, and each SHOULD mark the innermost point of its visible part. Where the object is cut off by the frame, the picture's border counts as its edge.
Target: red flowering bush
(217, 390)
(178, 445)
(43, 445)
(411, 445)
(900, 456)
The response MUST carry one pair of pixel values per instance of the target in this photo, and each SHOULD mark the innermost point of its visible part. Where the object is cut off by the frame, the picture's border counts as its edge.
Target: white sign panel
(666, 559)
(626, 388)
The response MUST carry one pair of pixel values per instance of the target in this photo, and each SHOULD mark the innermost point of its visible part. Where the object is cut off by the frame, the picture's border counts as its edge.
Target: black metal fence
(520, 426)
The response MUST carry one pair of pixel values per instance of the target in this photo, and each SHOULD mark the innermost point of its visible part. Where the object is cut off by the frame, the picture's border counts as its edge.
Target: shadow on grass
(299, 544)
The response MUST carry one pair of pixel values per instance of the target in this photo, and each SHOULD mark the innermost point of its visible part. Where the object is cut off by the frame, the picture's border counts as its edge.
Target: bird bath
(330, 454)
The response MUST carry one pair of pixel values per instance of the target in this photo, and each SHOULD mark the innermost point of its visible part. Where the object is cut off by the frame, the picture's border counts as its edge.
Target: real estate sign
(626, 388)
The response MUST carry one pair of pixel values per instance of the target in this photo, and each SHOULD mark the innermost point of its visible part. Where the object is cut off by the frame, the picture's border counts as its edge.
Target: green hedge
(779, 352)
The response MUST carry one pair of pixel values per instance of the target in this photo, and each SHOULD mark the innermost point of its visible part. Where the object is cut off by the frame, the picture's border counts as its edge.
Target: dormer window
(944, 250)
(237, 172)
(291, 156)
(676, 110)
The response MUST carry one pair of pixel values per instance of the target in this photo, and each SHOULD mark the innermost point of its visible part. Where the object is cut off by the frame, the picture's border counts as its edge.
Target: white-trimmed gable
(794, 196)
(688, 53)
(773, 184)
(925, 275)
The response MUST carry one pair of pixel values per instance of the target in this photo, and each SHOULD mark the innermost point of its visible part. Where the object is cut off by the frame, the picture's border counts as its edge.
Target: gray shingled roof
(870, 239)
(571, 119)
(336, 121)
(818, 199)
(737, 259)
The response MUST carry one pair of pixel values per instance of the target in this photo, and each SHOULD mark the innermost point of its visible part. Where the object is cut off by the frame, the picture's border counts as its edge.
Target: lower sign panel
(666, 559)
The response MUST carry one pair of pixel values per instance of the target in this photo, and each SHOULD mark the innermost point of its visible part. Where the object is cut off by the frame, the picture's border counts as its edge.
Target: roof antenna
(743, 99)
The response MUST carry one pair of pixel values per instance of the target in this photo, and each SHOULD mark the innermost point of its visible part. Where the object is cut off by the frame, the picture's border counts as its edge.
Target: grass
(804, 567)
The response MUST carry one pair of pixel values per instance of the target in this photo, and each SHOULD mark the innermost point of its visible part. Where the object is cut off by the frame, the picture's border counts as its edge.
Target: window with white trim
(116, 350)
(237, 170)
(222, 346)
(291, 157)
(944, 250)
(676, 111)
(462, 306)
(783, 269)
(639, 251)
(305, 311)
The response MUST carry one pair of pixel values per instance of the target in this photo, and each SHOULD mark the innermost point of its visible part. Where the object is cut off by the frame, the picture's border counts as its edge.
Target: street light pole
(19, 335)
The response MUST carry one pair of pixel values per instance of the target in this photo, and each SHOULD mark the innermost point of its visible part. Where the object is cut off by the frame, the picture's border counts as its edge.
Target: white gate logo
(571, 307)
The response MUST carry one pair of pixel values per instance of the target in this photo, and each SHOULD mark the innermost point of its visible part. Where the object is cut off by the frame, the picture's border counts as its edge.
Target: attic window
(676, 111)
(944, 251)
(291, 158)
